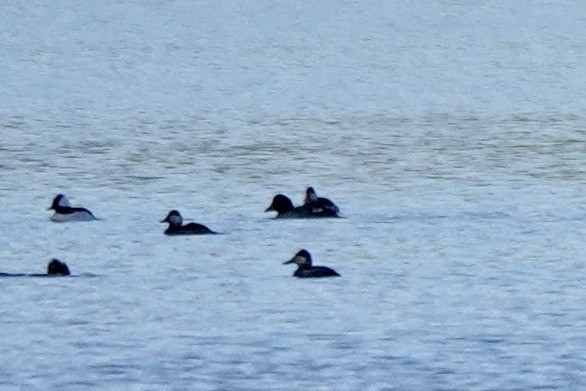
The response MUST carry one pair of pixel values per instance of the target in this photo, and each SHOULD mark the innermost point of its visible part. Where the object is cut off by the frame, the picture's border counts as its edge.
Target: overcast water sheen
(451, 134)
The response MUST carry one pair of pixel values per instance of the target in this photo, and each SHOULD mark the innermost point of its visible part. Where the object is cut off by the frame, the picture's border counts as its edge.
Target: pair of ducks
(305, 269)
(313, 206)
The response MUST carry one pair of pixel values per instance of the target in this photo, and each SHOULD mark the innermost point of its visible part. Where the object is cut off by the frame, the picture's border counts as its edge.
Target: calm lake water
(451, 134)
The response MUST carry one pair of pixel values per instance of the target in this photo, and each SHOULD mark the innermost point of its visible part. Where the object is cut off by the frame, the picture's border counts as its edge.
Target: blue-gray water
(451, 134)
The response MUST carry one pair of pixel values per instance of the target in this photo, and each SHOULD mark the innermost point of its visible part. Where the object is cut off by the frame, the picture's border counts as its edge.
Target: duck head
(173, 218)
(280, 204)
(60, 201)
(310, 195)
(302, 259)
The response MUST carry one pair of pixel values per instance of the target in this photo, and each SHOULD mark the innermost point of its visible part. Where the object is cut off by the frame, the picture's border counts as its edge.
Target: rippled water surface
(451, 134)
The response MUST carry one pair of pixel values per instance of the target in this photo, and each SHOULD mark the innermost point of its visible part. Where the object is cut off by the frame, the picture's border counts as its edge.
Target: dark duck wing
(198, 229)
(328, 205)
(321, 208)
(189, 229)
(316, 272)
(319, 205)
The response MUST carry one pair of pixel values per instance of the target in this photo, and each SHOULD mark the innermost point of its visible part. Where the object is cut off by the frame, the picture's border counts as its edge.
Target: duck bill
(164, 221)
(289, 261)
(269, 209)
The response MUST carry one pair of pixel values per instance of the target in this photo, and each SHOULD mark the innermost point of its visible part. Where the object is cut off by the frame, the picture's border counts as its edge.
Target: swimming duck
(305, 268)
(64, 212)
(285, 209)
(176, 228)
(319, 204)
(57, 268)
(54, 268)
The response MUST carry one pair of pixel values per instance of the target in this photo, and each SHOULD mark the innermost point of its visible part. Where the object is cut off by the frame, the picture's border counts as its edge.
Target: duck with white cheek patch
(176, 226)
(305, 268)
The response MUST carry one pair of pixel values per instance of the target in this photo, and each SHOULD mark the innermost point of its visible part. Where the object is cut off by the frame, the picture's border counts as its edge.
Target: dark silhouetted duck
(54, 268)
(176, 228)
(319, 204)
(64, 212)
(305, 268)
(57, 268)
(285, 209)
